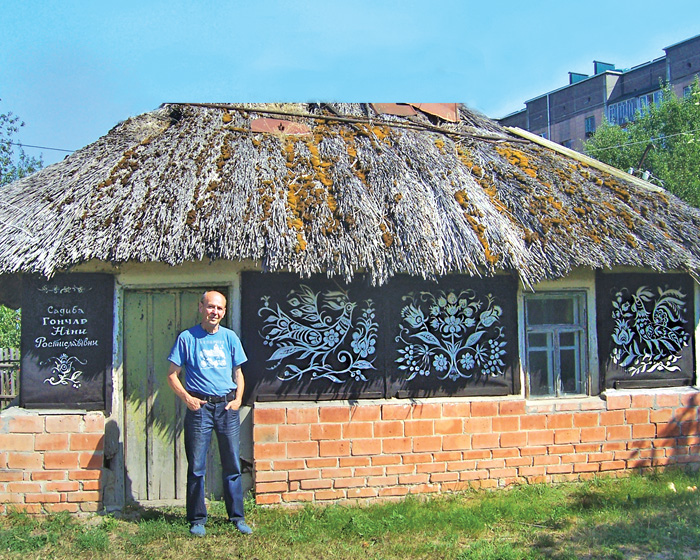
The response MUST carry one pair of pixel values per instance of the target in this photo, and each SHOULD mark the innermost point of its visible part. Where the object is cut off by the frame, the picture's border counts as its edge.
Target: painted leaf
(474, 338)
(428, 337)
(363, 364)
(284, 351)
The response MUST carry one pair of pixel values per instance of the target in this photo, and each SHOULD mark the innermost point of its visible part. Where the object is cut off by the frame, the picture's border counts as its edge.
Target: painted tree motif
(648, 334)
(454, 335)
(320, 335)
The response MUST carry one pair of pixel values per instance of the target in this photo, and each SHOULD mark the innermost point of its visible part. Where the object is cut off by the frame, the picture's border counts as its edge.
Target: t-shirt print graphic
(213, 357)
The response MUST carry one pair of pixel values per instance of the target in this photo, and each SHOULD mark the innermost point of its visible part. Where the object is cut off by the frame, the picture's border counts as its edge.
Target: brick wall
(319, 452)
(333, 451)
(50, 462)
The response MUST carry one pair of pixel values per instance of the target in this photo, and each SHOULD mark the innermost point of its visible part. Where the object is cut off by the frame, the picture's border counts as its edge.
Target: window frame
(553, 332)
(589, 125)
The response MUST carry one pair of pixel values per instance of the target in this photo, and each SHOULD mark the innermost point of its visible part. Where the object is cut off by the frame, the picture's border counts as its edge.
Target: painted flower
(364, 346)
(440, 362)
(467, 361)
(314, 338)
(490, 316)
(469, 320)
(413, 316)
(63, 364)
(622, 335)
(331, 338)
(452, 325)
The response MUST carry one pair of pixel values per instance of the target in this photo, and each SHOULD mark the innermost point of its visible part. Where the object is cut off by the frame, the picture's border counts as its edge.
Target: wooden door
(155, 462)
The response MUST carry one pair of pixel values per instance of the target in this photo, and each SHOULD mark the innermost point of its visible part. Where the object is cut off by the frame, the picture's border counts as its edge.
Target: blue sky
(74, 69)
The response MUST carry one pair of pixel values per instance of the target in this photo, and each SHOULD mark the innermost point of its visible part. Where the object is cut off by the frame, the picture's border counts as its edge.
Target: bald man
(211, 356)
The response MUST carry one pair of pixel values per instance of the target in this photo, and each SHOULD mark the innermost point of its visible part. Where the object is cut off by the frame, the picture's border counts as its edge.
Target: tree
(14, 162)
(663, 140)
(10, 320)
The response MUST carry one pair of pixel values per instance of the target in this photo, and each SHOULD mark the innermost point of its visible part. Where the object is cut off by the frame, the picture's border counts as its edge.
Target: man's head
(212, 308)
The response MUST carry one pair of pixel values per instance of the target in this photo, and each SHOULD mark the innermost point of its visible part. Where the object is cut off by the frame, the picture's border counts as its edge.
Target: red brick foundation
(322, 452)
(332, 451)
(51, 462)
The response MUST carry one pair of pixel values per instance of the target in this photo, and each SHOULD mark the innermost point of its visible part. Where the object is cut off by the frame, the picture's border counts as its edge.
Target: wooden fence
(9, 375)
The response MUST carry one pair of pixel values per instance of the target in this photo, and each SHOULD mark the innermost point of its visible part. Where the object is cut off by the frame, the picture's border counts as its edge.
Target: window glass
(549, 311)
(556, 341)
(567, 339)
(540, 373)
(569, 371)
(538, 340)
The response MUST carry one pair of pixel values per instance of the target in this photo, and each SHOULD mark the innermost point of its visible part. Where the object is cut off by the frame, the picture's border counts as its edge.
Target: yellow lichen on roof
(518, 158)
(309, 189)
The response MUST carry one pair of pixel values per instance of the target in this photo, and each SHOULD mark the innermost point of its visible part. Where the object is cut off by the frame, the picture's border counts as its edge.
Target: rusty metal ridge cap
(356, 120)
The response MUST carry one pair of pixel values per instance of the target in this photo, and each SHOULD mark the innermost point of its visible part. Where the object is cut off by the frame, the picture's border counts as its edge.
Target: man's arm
(177, 387)
(235, 404)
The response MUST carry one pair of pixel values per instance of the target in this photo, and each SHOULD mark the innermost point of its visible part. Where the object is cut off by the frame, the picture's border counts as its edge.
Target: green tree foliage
(10, 320)
(669, 133)
(14, 162)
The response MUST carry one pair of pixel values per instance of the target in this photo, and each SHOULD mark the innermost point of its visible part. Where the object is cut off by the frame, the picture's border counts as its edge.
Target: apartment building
(571, 114)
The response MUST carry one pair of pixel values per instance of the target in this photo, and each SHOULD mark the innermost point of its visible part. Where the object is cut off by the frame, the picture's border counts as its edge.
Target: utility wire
(39, 147)
(660, 138)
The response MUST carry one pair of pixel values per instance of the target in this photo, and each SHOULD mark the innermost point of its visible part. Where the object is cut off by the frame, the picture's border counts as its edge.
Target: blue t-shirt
(208, 359)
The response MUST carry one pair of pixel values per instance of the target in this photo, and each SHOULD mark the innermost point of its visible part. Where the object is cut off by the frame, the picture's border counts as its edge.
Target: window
(555, 339)
(590, 126)
(687, 90)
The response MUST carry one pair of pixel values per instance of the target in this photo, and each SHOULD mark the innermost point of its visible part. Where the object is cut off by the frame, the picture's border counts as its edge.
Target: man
(211, 356)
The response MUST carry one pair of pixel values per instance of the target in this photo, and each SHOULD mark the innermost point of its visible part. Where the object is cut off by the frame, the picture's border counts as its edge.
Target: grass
(629, 518)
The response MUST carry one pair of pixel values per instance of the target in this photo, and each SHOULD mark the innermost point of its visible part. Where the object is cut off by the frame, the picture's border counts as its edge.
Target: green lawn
(655, 516)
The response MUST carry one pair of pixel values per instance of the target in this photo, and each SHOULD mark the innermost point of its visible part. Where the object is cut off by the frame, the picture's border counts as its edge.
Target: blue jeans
(199, 425)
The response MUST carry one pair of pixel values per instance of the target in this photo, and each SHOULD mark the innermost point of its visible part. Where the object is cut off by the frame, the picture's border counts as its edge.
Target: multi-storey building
(571, 114)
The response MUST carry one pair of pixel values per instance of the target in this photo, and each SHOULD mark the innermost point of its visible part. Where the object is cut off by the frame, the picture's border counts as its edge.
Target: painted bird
(653, 327)
(310, 328)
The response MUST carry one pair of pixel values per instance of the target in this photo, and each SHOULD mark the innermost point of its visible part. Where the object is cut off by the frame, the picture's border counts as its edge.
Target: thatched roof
(338, 188)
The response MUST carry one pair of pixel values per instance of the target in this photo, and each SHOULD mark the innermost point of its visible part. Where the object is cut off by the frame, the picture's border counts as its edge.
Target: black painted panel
(318, 338)
(310, 338)
(67, 341)
(645, 330)
(457, 336)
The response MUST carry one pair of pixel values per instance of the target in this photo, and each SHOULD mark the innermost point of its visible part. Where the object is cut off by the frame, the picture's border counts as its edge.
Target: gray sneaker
(198, 530)
(242, 526)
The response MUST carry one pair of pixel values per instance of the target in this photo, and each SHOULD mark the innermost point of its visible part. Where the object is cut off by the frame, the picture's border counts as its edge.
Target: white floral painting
(64, 371)
(451, 335)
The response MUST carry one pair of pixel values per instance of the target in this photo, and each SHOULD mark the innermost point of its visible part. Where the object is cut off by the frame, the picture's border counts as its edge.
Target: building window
(556, 342)
(687, 90)
(590, 126)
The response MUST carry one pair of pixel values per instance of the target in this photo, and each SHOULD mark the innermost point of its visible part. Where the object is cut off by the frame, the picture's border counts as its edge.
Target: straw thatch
(361, 191)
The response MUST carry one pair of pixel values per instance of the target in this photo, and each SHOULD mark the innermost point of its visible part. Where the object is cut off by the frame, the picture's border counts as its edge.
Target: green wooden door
(155, 462)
